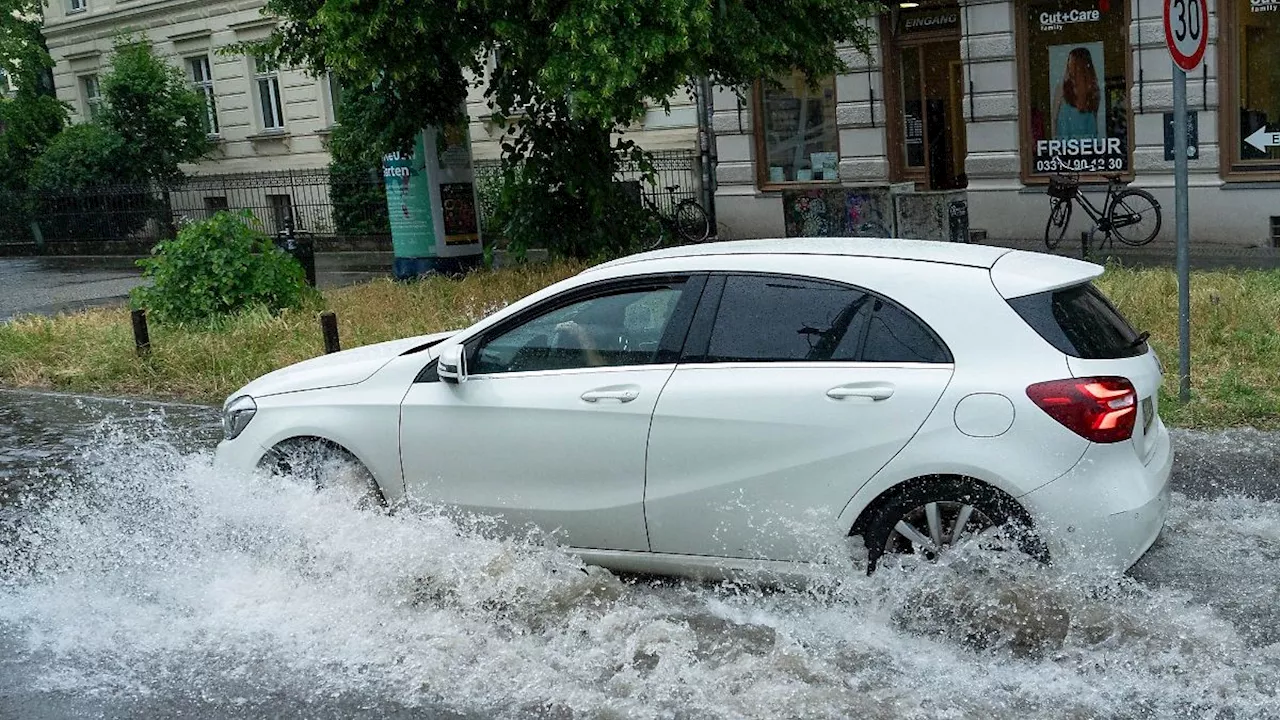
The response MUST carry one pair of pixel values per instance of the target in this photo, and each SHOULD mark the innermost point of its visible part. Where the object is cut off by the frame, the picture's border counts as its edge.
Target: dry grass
(1235, 338)
(92, 351)
(1235, 341)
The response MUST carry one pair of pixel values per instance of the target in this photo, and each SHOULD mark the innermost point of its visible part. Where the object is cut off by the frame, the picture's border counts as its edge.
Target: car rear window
(1080, 322)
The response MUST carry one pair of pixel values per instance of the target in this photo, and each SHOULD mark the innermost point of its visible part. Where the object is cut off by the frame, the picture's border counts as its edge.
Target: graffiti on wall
(836, 213)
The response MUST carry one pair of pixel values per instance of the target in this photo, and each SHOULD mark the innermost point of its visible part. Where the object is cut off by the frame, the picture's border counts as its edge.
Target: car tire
(325, 465)
(933, 507)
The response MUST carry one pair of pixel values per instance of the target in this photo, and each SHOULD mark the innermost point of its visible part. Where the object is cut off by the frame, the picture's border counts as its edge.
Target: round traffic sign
(1186, 31)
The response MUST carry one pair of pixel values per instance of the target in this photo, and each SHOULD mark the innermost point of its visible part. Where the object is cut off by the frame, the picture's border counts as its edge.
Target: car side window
(777, 319)
(894, 335)
(622, 328)
(765, 318)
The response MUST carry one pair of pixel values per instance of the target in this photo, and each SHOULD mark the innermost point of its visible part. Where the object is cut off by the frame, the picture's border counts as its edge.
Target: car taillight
(1101, 409)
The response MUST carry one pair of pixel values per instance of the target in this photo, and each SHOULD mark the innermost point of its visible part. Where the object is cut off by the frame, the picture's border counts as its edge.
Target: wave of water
(149, 573)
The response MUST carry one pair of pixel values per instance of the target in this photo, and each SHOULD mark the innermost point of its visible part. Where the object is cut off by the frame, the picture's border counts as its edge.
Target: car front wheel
(325, 465)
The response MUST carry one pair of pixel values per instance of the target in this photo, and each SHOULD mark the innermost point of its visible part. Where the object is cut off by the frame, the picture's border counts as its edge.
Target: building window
(797, 136)
(1251, 30)
(214, 204)
(202, 81)
(267, 80)
(281, 207)
(1075, 86)
(334, 89)
(75, 6)
(92, 96)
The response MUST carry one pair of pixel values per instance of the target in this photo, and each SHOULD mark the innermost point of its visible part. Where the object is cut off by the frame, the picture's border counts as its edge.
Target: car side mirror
(452, 366)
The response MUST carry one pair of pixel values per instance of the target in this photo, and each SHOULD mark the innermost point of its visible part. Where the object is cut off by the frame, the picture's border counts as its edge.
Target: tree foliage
(154, 110)
(569, 74)
(29, 118)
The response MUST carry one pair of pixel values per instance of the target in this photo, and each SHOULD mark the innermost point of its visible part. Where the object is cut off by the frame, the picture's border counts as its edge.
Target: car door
(791, 394)
(549, 427)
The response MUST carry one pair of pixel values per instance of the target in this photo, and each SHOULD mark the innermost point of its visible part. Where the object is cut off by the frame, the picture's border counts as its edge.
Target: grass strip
(1235, 336)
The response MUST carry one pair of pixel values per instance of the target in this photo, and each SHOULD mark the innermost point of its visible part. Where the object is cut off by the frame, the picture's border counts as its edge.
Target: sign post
(1186, 33)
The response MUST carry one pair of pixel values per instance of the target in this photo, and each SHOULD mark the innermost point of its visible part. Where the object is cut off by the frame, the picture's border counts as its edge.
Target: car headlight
(236, 415)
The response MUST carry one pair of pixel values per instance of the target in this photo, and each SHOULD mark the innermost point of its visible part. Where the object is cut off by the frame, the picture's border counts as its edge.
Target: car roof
(981, 256)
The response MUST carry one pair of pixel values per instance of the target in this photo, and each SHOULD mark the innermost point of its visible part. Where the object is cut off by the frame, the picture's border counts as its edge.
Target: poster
(409, 203)
(455, 147)
(1075, 139)
(460, 223)
(835, 213)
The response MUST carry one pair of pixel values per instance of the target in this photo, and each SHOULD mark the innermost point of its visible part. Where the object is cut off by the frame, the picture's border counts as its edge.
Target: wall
(81, 43)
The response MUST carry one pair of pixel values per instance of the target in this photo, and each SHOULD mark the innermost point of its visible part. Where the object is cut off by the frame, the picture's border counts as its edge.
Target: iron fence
(322, 203)
(676, 177)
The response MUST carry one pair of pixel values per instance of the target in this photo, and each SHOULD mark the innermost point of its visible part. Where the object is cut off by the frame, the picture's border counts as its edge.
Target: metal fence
(318, 202)
(678, 169)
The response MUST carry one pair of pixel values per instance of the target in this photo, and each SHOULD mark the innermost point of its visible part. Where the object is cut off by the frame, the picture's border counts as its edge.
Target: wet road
(49, 285)
(159, 588)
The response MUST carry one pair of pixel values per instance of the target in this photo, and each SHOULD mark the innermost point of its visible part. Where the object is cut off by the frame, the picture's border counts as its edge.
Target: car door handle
(622, 395)
(874, 392)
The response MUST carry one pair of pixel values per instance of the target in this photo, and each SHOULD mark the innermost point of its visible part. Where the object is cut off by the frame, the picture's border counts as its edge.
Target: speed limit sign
(1186, 31)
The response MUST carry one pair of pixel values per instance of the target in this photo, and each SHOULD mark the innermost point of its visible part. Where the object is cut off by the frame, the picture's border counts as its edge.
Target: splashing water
(148, 573)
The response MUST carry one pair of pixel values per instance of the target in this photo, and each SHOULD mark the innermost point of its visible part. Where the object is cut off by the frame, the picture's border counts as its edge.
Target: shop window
(798, 140)
(1251, 31)
(1075, 86)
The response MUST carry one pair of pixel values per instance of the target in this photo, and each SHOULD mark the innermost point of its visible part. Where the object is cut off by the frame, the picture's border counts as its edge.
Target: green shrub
(217, 267)
(86, 189)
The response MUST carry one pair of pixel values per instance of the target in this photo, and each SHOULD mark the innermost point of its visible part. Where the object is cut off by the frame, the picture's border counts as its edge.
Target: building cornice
(124, 16)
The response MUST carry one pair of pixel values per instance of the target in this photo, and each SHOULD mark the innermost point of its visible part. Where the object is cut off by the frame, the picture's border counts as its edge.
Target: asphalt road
(137, 582)
(49, 285)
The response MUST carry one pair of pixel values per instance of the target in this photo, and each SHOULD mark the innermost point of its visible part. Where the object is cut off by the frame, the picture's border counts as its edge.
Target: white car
(737, 405)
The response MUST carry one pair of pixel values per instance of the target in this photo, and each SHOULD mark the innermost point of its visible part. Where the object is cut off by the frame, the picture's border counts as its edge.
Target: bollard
(329, 327)
(141, 337)
(1084, 245)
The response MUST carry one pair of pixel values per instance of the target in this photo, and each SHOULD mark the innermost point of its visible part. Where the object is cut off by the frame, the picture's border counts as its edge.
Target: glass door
(932, 124)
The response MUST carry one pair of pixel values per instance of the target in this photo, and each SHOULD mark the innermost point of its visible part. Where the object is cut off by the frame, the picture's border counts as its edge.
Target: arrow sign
(1263, 139)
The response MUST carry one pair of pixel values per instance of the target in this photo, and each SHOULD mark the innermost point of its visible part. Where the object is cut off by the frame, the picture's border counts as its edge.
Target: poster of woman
(1075, 87)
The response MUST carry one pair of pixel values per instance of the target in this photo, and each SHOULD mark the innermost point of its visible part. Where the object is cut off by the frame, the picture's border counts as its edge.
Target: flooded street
(135, 581)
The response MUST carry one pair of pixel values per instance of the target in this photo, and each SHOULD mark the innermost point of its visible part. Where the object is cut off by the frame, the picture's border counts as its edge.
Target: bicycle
(687, 222)
(1130, 214)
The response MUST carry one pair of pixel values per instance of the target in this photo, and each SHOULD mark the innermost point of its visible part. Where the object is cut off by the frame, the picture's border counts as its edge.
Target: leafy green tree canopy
(154, 110)
(599, 60)
(568, 73)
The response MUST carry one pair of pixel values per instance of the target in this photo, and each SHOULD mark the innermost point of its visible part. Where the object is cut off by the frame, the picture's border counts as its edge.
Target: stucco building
(966, 101)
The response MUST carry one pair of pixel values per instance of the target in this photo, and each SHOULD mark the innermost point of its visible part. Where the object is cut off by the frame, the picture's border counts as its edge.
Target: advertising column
(431, 204)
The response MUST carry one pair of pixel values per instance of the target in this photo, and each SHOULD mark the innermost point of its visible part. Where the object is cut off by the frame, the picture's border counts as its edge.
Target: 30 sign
(1186, 31)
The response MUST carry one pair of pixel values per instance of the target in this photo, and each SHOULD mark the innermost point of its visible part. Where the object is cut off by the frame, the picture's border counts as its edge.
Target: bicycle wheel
(657, 234)
(1135, 217)
(1059, 218)
(691, 221)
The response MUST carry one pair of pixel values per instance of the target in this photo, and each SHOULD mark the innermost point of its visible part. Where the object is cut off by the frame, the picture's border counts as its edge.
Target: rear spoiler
(1019, 273)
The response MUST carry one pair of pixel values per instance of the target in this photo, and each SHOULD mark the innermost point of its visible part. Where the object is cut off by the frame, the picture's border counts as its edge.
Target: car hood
(341, 368)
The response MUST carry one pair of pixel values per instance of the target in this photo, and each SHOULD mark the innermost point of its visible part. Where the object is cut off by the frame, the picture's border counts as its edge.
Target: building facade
(981, 101)
(260, 117)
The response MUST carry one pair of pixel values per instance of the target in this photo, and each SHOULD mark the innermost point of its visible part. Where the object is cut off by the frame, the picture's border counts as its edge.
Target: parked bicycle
(686, 223)
(1128, 214)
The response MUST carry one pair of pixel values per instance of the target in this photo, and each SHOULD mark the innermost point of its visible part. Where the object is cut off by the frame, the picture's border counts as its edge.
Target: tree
(154, 110)
(30, 118)
(571, 73)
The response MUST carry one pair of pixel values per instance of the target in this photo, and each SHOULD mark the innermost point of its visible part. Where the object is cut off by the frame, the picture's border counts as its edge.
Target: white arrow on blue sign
(1263, 139)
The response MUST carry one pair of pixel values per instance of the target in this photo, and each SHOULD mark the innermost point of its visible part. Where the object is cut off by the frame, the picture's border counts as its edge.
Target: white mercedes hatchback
(740, 405)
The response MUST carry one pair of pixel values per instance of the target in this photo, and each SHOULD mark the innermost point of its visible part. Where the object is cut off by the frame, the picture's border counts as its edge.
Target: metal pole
(1180, 214)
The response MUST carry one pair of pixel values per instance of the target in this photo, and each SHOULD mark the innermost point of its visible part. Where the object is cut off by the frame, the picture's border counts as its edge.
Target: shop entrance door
(928, 117)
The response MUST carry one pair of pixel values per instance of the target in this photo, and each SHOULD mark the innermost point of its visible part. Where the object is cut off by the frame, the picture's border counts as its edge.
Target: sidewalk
(1204, 256)
(49, 285)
